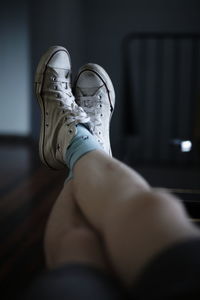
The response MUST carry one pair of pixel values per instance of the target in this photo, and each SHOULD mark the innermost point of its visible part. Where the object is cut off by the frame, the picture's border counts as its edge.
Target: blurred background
(151, 50)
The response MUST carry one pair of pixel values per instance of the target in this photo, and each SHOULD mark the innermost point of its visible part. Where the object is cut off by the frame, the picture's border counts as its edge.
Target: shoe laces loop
(66, 102)
(92, 106)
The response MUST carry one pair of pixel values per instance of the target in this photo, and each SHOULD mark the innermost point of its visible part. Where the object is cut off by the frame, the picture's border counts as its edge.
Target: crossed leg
(108, 214)
(69, 238)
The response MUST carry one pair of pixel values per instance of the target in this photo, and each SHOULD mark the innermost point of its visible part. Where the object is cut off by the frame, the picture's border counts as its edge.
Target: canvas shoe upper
(94, 92)
(59, 112)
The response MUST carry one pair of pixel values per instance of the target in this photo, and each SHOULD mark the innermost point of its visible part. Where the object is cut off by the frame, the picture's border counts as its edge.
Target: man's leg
(135, 221)
(69, 238)
(75, 258)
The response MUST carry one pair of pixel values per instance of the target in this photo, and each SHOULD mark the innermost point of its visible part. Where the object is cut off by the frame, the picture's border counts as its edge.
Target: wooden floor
(27, 192)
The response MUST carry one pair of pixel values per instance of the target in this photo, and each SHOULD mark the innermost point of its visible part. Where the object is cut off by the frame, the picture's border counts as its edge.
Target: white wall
(14, 69)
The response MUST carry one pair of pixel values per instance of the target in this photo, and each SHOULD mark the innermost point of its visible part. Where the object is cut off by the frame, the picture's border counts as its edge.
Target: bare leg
(69, 238)
(135, 221)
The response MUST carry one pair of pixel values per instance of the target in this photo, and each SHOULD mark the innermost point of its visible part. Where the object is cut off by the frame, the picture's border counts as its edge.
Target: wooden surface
(27, 193)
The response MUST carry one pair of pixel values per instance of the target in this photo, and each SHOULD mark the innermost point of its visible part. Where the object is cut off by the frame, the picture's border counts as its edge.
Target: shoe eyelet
(101, 115)
(70, 131)
(47, 125)
(100, 105)
(99, 96)
(55, 87)
(47, 113)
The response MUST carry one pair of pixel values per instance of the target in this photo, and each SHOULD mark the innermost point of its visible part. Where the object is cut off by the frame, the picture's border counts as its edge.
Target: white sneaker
(94, 92)
(59, 112)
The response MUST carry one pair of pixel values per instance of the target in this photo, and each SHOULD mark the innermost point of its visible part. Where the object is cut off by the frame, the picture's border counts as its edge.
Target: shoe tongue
(63, 73)
(89, 91)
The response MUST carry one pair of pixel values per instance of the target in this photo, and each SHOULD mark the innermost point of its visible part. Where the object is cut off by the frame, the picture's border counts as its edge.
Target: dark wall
(93, 31)
(120, 18)
(55, 23)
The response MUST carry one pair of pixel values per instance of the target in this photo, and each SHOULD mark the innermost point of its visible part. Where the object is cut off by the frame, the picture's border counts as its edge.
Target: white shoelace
(71, 111)
(91, 105)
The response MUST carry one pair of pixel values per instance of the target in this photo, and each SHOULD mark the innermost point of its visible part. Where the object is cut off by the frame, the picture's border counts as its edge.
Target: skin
(109, 217)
